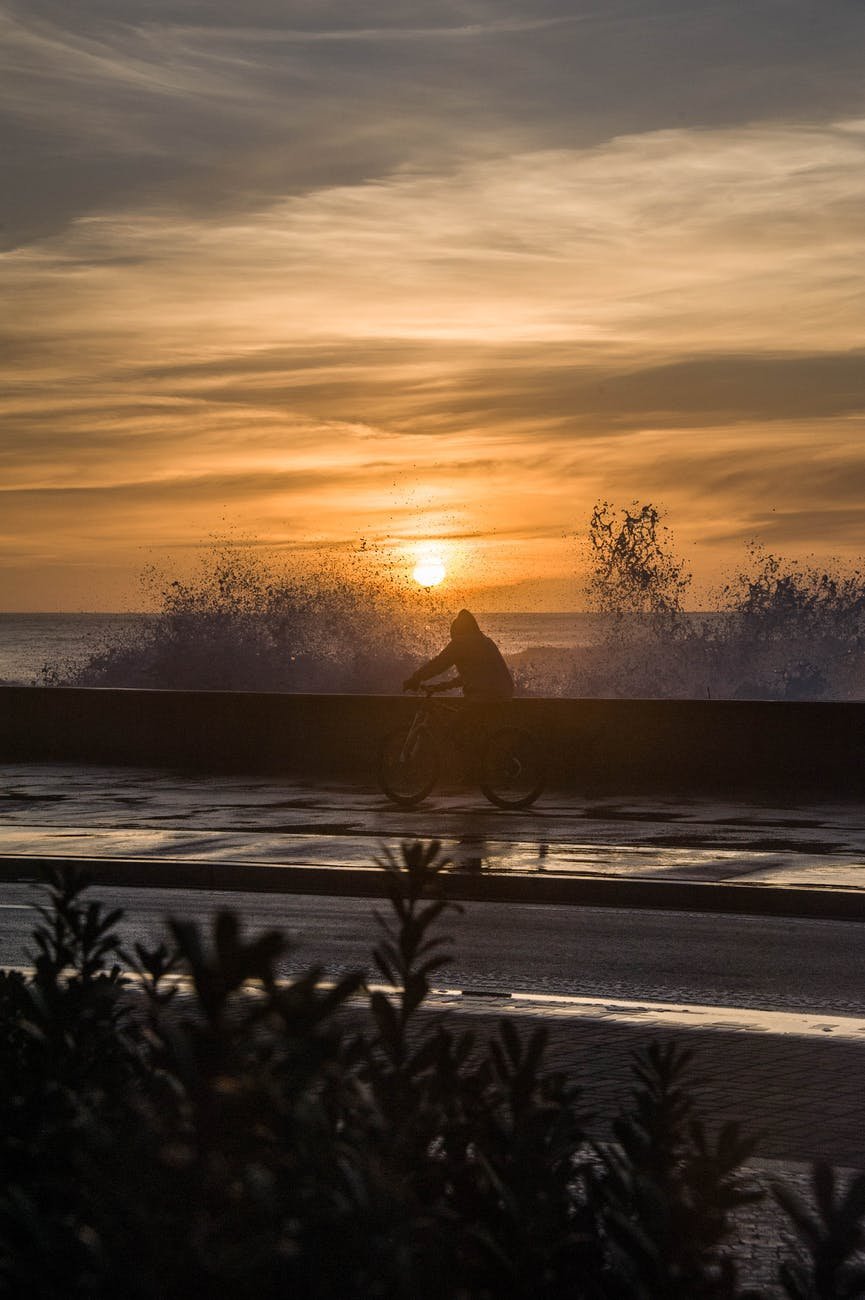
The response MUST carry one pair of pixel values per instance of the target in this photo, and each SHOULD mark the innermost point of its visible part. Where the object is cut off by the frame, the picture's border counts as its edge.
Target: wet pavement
(107, 812)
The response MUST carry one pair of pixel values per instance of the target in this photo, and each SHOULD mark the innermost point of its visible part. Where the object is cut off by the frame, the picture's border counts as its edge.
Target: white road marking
(803, 1024)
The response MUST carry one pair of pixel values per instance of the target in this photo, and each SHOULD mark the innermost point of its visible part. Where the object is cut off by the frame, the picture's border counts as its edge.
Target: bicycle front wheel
(512, 769)
(408, 767)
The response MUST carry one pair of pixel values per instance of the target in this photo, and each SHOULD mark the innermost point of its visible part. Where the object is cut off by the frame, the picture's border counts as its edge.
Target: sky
(427, 274)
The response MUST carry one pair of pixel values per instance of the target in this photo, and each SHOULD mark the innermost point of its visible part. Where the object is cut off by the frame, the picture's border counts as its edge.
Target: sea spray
(796, 630)
(339, 623)
(779, 628)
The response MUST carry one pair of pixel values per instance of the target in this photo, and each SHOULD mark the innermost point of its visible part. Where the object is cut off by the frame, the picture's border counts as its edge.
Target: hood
(465, 625)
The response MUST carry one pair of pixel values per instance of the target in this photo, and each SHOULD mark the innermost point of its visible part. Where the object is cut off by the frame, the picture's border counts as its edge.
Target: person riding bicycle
(503, 758)
(482, 672)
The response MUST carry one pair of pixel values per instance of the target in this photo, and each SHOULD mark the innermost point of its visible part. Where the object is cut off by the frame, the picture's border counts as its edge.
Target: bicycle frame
(424, 721)
(508, 767)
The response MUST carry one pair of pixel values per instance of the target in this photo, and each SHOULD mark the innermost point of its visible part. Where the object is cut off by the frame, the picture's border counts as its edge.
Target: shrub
(238, 1135)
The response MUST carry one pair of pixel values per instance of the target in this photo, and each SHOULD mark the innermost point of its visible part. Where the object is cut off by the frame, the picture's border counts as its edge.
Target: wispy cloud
(205, 106)
(648, 242)
(444, 32)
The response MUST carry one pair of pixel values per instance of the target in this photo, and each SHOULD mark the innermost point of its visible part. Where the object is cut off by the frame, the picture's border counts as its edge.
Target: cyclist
(482, 672)
(504, 758)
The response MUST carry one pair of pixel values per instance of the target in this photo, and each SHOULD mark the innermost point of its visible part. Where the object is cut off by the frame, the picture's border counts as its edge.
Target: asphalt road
(684, 958)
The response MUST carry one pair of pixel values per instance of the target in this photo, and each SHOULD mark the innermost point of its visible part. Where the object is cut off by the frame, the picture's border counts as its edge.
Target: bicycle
(511, 770)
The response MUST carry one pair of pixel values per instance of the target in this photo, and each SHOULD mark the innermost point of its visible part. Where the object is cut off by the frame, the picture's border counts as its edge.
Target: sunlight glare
(429, 571)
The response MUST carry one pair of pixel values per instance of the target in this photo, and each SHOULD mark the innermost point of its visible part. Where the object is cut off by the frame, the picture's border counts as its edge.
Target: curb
(813, 903)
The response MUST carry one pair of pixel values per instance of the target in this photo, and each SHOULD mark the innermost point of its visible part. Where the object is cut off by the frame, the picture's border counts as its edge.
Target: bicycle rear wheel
(512, 769)
(408, 767)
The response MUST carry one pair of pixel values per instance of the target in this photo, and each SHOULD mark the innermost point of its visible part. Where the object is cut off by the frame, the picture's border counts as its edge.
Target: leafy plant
(832, 1235)
(212, 1129)
(666, 1192)
(67, 1054)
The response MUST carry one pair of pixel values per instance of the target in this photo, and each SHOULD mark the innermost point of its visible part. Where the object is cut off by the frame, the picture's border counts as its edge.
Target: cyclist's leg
(468, 729)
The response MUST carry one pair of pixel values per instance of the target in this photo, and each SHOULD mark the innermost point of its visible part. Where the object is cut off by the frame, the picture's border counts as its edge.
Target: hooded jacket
(476, 657)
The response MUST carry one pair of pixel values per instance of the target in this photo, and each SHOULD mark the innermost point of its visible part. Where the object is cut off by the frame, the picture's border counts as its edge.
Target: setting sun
(429, 571)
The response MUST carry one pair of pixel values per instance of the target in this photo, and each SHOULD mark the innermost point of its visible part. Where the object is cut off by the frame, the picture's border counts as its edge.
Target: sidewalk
(152, 826)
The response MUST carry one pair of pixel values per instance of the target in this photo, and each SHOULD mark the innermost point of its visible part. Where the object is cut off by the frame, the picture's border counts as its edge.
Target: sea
(33, 646)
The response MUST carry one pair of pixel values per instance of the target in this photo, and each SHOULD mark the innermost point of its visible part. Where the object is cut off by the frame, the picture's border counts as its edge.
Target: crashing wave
(781, 630)
(238, 625)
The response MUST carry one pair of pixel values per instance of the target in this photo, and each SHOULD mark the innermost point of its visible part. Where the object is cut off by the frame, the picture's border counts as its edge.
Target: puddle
(21, 796)
(611, 812)
(764, 845)
(794, 823)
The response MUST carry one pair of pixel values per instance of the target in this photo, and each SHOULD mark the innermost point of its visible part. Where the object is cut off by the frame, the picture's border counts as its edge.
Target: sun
(429, 571)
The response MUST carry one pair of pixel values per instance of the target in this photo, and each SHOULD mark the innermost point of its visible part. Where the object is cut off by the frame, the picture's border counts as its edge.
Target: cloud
(724, 486)
(565, 393)
(675, 241)
(826, 530)
(203, 107)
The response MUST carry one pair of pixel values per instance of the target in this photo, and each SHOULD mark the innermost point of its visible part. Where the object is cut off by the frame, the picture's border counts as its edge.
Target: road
(765, 964)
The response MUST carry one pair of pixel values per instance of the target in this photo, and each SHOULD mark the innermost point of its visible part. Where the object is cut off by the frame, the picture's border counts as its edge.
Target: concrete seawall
(591, 744)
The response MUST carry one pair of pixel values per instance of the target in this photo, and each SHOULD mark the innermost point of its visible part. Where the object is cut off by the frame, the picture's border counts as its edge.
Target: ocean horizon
(33, 642)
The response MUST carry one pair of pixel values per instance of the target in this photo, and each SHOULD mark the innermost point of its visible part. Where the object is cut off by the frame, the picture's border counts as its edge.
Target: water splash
(340, 624)
(780, 629)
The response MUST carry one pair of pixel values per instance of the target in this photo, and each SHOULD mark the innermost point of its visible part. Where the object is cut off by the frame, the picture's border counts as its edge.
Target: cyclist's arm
(440, 664)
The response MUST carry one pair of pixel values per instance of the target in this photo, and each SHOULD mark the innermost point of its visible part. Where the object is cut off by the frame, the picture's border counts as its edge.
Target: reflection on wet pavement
(123, 812)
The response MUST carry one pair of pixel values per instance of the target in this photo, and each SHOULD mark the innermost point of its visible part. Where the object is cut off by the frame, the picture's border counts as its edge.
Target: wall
(591, 744)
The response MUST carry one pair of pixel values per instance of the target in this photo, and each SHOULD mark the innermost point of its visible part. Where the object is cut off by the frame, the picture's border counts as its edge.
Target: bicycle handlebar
(435, 688)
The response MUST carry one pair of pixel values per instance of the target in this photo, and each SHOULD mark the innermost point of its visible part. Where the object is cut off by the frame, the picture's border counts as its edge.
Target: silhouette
(482, 672)
(469, 853)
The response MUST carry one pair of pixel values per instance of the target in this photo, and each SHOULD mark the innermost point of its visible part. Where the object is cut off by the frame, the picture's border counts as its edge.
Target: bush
(256, 1137)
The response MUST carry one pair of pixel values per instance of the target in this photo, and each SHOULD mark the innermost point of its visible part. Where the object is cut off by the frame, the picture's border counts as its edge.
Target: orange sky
(451, 273)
